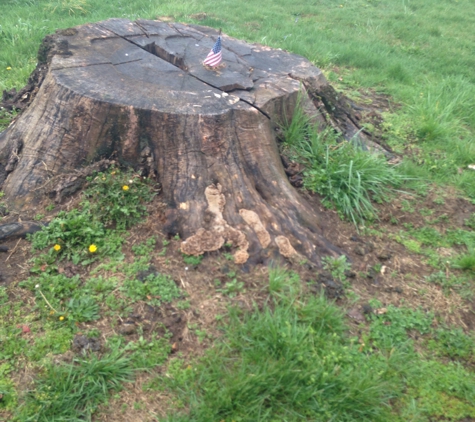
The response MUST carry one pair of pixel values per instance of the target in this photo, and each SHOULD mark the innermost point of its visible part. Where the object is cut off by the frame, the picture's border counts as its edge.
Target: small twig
(13, 251)
(142, 29)
(46, 300)
(177, 30)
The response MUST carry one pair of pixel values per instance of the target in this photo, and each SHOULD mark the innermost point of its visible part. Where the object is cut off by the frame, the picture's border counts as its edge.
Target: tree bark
(138, 93)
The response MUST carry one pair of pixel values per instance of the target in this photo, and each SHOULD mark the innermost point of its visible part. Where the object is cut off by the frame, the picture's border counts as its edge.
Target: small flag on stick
(214, 56)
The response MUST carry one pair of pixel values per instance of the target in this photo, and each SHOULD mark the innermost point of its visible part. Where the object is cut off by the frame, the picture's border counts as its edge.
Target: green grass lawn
(292, 358)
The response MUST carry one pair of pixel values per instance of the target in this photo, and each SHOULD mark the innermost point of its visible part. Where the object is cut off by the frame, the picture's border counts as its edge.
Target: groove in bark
(138, 92)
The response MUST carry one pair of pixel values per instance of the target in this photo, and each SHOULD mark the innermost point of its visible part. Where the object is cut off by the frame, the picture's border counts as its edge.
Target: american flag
(214, 56)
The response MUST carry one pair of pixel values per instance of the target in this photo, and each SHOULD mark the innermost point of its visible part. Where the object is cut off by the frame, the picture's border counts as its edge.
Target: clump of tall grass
(443, 112)
(466, 262)
(292, 360)
(72, 392)
(289, 361)
(441, 117)
(348, 177)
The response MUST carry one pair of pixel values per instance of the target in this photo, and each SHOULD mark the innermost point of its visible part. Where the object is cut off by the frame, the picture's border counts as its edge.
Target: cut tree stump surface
(158, 66)
(137, 92)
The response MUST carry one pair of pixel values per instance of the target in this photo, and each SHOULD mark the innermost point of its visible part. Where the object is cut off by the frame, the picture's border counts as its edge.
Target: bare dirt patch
(401, 279)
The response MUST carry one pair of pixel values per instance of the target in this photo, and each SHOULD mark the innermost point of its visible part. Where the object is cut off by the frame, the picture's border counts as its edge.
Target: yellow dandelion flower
(125, 187)
(61, 318)
(9, 68)
(57, 247)
(51, 312)
(92, 248)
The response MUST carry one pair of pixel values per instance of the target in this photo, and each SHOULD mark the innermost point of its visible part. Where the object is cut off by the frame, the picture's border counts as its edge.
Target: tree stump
(138, 93)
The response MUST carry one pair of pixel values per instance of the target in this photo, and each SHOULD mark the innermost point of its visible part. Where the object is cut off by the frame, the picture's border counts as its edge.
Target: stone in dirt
(356, 315)
(83, 344)
(127, 328)
(18, 230)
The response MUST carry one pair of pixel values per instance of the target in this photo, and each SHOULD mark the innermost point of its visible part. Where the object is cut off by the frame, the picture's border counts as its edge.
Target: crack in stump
(95, 64)
(147, 48)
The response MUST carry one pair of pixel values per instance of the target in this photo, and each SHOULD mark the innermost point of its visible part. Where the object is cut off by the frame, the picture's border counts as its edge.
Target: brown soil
(400, 281)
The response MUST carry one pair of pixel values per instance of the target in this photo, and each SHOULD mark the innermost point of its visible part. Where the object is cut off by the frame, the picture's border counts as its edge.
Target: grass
(346, 176)
(73, 392)
(289, 361)
(155, 288)
(292, 357)
(466, 262)
(453, 343)
(389, 329)
(62, 306)
(336, 266)
(426, 240)
(91, 231)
